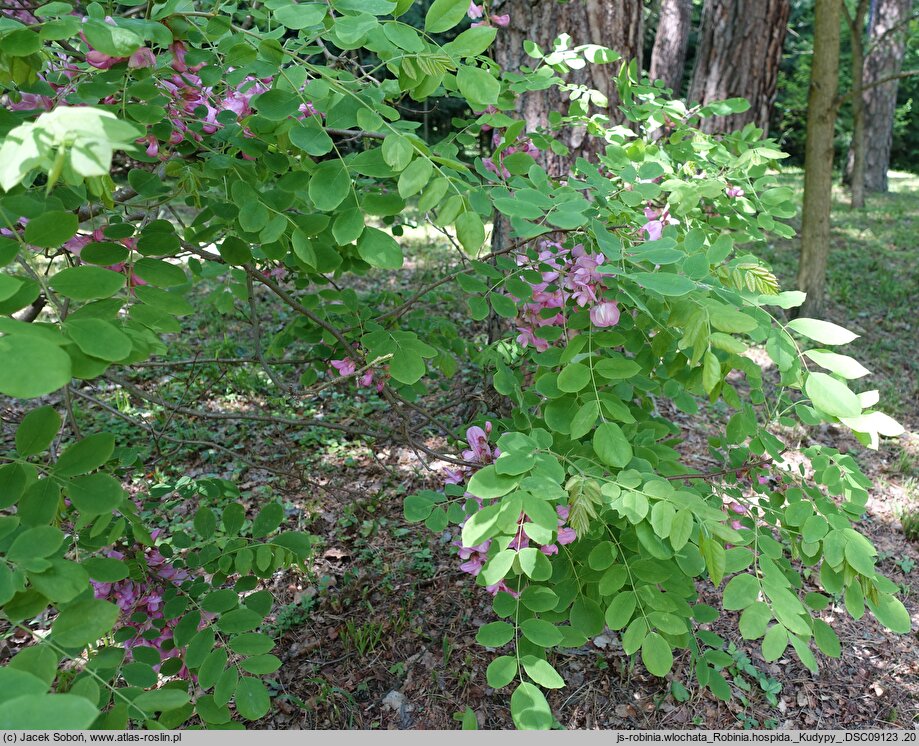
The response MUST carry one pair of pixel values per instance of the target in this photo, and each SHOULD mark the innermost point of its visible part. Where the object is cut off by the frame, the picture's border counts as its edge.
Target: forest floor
(380, 633)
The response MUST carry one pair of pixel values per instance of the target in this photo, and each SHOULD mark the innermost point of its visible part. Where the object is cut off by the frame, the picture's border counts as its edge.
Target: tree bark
(668, 57)
(886, 46)
(614, 24)
(740, 48)
(857, 35)
(818, 155)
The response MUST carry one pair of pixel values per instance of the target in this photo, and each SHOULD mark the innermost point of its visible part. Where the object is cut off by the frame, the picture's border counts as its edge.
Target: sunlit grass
(872, 283)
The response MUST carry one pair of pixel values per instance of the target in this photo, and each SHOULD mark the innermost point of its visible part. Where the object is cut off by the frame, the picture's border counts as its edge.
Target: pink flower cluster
(734, 508)
(737, 509)
(567, 274)
(145, 596)
(19, 10)
(657, 220)
(142, 57)
(192, 105)
(522, 145)
(474, 558)
(479, 452)
(76, 244)
(193, 102)
(348, 367)
(477, 12)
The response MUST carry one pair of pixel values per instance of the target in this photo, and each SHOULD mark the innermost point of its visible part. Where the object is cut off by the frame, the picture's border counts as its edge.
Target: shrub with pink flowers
(146, 153)
(141, 600)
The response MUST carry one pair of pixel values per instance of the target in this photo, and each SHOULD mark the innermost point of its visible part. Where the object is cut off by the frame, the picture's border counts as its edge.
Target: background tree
(887, 36)
(818, 159)
(617, 25)
(668, 57)
(740, 48)
(608, 320)
(856, 23)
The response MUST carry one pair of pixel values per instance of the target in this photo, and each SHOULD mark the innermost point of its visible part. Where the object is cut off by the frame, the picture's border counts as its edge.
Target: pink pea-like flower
(473, 565)
(178, 57)
(475, 11)
(146, 597)
(143, 57)
(153, 146)
(499, 587)
(734, 191)
(102, 61)
(605, 314)
(344, 367)
(657, 221)
(566, 535)
(654, 229)
(479, 450)
(502, 21)
(30, 102)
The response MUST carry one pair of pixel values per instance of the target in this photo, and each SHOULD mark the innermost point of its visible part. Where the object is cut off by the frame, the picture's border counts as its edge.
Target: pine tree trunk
(668, 57)
(886, 47)
(740, 48)
(818, 155)
(857, 40)
(616, 25)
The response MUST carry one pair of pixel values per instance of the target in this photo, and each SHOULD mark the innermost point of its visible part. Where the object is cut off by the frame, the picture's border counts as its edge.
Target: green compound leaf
(822, 331)
(85, 455)
(890, 612)
(495, 634)
(96, 494)
(379, 249)
(832, 396)
(31, 366)
(47, 712)
(775, 642)
(656, 654)
(444, 15)
(37, 430)
(501, 671)
(84, 622)
(529, 708)
(543, 633)
(252, 700)
(162, 700)
(87, 283)
(611, 445)
(740, 592)
(542, 672)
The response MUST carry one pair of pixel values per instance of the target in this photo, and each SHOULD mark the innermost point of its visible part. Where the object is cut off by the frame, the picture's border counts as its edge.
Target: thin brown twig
(722, 472)
(230, 416)
(355, 133)
(257, 333)
(220, 361)
(335, 381)
(399, 311)
(181, 441)
(840, 100)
